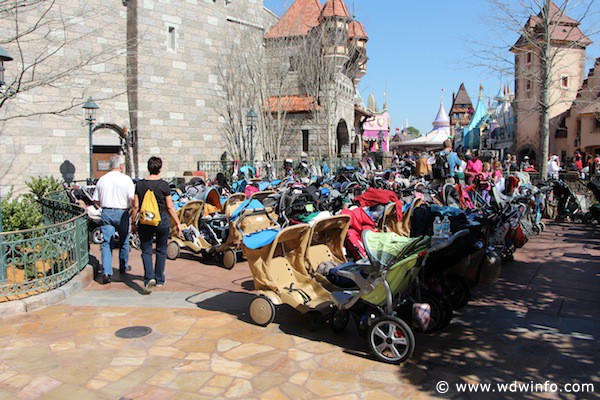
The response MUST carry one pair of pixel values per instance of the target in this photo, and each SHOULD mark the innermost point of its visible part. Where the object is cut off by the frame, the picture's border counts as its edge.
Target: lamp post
(90, 116)
(4, 56)
(251, 121)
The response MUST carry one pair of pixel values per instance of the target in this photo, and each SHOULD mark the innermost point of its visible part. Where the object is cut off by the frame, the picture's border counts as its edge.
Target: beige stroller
(276, 271)
(401, 226)
(203, 228)
(326, 244)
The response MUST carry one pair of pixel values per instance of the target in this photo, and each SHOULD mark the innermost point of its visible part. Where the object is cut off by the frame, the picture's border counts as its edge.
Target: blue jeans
(147, 234)
(114, 220)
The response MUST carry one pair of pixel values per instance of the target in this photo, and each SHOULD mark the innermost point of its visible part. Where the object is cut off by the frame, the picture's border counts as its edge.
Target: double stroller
(205, 226)
(286, 265)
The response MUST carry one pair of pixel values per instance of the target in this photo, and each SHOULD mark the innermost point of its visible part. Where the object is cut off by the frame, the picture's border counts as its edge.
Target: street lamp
(251, 121)
(90, 116)
(4, 56)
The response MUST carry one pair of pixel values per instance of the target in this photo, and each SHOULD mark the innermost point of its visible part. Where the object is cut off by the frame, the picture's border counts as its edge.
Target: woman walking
(154, 276)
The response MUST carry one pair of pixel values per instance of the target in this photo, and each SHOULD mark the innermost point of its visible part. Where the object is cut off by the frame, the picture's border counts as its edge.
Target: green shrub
(42, 185)
(19, 213)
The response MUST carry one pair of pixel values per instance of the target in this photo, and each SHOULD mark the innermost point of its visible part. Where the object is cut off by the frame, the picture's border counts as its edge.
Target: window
(564, 81)
(597, 124)
(171, 38)
(305, 140)
(527, 84)
(528, 58)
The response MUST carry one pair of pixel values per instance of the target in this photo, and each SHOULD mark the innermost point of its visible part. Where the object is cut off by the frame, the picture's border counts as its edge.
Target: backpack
(149, 213)
(441, 168)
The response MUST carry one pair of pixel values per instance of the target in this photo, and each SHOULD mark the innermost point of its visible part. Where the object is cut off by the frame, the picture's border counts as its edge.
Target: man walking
(114, 194)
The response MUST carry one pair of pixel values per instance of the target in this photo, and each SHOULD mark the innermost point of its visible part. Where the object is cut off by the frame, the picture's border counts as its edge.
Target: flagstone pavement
(540, 322)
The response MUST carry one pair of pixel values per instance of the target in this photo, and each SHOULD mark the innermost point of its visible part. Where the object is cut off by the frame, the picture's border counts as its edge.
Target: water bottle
(438, 227)
(446, 233)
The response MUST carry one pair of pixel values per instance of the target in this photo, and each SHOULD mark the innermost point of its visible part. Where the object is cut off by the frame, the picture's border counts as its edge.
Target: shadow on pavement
(311, 326)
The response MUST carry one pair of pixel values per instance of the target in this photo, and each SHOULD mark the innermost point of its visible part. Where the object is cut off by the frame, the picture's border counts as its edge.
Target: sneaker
(105, 279)
(161, 283)
(149, 286)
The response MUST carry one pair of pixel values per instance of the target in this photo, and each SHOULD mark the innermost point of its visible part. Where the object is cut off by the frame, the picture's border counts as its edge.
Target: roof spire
(385, 103)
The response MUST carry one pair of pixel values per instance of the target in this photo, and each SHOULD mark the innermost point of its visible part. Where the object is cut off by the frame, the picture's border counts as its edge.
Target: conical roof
(442, 118)
(335, 8)
(357, 30)
(462, 97)
(480, 113)
(299, 19)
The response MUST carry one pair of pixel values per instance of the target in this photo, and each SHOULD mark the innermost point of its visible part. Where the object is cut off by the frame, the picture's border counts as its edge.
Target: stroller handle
(448, 242)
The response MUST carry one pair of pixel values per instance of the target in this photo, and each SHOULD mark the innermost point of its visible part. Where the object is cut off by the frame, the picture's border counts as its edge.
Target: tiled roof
(291, 104)
(563, 29)
(335, 8)
(357, 30)
(592, 108)
(301, 17)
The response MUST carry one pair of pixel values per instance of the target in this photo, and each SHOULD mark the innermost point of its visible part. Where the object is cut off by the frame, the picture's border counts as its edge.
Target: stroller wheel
(460, 292)
(262, 311)
(391, 340)
(441, 311)
(338, 319)
(229, 259)
(542, 226)
(136, 243)
(97, 236)
(173, 251)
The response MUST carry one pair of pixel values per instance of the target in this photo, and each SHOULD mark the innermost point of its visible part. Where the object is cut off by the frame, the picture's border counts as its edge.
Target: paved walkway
(540, 322)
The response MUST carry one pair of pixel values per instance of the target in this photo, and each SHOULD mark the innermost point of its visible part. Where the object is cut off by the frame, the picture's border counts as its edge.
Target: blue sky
(420, 47)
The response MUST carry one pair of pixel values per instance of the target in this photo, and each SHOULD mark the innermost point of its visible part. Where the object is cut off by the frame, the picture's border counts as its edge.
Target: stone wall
(179, 44)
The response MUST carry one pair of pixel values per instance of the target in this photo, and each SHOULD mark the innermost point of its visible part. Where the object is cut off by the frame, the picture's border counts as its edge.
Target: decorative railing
(212, 168)
(36, 260)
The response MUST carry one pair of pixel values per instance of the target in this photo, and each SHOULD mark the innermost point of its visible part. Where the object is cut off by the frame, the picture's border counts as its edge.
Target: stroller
(204, 230)
(326, 247)
(277, 261)
(394, 265)
(570, 206)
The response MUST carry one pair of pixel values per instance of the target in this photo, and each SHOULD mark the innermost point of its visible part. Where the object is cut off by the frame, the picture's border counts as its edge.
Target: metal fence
(212, 168)
(36, 260)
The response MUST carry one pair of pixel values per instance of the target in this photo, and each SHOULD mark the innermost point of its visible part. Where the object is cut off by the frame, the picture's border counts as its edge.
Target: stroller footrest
(344, 297)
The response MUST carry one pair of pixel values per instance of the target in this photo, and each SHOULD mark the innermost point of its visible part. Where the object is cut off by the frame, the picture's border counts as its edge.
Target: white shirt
(114, 190)
(553, 169)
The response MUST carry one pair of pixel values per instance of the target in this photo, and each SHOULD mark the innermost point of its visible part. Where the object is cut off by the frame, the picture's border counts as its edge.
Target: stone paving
(540, 322)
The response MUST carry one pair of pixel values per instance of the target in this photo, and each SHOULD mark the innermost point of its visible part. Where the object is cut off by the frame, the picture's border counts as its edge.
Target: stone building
(579, 128)
(151, 71)
(326, 53)
(568, 47)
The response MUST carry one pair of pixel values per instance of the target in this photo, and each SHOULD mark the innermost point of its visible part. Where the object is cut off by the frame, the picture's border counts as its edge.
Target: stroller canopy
(386, 249)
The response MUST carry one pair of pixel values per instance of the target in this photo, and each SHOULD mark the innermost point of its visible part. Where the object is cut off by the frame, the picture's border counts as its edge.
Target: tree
(548, 36)
(414, 132)
(253, 80)
(322, 74)
(37, 34)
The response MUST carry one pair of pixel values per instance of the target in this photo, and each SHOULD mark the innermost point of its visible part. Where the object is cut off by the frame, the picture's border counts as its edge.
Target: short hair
(447, 143)
(115, 162)
(154, 165)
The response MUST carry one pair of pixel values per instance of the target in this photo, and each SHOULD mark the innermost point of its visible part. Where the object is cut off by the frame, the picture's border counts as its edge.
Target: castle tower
(357, 64)
(462, 108)
(568, 45)
(334, 22)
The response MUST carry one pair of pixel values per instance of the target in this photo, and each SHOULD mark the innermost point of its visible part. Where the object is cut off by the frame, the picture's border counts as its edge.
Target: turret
(334, 23)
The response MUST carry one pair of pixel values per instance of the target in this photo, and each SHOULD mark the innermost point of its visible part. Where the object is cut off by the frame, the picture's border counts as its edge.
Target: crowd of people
(483, 173)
